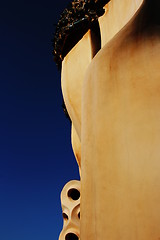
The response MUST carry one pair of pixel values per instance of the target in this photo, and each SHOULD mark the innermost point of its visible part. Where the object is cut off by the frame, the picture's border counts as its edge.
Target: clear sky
(36, 157)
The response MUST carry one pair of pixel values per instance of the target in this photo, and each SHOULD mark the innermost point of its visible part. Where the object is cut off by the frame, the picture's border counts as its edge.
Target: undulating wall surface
(120, 134)
(113, 101)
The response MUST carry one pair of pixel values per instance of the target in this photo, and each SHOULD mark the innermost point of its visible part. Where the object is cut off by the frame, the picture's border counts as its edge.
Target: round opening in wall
(79, 215)
(71, 236)
(74, 194)
(65, 217)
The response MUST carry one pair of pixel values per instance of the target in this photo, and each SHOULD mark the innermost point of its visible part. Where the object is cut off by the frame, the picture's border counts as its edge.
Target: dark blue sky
(36, 157)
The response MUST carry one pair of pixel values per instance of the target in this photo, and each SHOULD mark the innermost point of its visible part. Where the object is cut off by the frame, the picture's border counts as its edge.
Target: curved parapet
(113, 101)
(70, 202)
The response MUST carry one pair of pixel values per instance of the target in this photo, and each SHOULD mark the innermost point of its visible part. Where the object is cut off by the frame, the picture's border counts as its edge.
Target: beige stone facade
(113, 101)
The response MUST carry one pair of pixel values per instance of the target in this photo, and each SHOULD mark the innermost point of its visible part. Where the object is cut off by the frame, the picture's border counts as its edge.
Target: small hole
(79, 215)
(65, 217)
(74, 194)
(71, 236)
